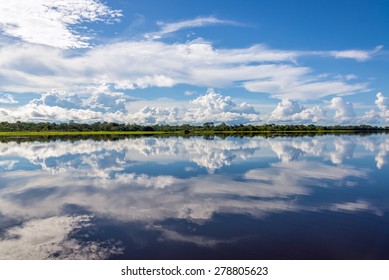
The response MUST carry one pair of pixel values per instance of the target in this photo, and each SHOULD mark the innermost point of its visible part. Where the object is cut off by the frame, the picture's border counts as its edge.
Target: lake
(281, 197)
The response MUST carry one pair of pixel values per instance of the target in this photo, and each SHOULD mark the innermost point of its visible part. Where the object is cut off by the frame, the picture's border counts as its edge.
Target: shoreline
(183, 133)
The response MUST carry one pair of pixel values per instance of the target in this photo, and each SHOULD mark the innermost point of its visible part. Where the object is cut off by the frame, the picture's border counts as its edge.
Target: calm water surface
(322, 197)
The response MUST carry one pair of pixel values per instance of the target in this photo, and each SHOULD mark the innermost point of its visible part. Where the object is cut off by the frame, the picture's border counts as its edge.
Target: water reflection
(126, 198)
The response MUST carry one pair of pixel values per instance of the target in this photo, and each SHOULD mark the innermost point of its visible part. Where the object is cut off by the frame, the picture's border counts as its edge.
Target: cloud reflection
(49, 239)
(113, 179)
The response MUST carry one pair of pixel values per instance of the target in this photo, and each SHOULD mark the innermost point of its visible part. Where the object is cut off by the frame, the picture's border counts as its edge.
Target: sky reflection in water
(195, 198)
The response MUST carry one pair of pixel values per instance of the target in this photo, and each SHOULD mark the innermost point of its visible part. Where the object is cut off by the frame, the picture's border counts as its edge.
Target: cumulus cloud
(215, 107)
(216, 103)
(95, 104)
(100, 99)
(344, 111)
(382, 102)
(285, 108)
(52, 23)
(155, 115)
(291, 110)
(58, 99)
(34, 112)
(380, 116)
(104, 105)
(107, 102)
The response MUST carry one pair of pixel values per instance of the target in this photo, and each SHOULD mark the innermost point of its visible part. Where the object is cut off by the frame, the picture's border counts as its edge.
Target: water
(321, 197)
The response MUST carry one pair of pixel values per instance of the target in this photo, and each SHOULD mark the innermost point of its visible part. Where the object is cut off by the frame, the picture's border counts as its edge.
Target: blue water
(311, 197)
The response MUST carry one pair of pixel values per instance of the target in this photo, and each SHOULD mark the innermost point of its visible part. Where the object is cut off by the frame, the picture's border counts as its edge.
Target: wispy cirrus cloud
(354, 54)
(167, 28)
(359, 55)
(6, 98)
(32, 68)
(52, 22)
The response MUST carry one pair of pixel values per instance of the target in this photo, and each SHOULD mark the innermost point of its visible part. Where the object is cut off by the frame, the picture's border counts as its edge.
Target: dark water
(322, 197)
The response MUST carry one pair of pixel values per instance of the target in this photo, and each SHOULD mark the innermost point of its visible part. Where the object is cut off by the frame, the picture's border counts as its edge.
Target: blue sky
(148, 62)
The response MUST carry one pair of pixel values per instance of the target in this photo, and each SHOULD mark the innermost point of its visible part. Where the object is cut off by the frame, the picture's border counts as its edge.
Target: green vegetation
(63, 133)
(72, 128)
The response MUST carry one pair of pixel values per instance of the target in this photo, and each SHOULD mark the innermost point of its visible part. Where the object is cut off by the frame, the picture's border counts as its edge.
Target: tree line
(186, 128)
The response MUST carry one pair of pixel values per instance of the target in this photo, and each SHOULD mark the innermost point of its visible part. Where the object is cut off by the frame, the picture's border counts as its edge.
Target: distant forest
(185, 128)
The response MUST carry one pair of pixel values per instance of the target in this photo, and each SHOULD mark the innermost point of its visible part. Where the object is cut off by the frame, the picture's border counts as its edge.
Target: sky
(175, 62)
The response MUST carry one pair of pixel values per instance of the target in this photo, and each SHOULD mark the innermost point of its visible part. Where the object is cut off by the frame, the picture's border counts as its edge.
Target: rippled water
(321, 197)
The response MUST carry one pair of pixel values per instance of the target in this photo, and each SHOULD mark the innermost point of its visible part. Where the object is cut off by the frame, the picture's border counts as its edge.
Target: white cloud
(203, 241)
(357, 206)
(358, 55)
(102, 158)
(167, 197)
(33, 112)
(7, 164)
(48, 238)
(304, 170)
(52, 22)
(213, 106)
(145, 82)
(57, 157)
(344, 149)
(27, 67)
(380, 116)
(344, 111)
(33, 68)
(382, 103)
(189, 93)
(155, 115)
(97, 104)
(93, 174)
(215, 103)
(6, 98)
(382, 156)
(167, 28)
(111, 106)
(301, 87)
(143, 180)
(286, 108)
(290, 110)
(103, 105)
(59, 99)
(107, 102)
